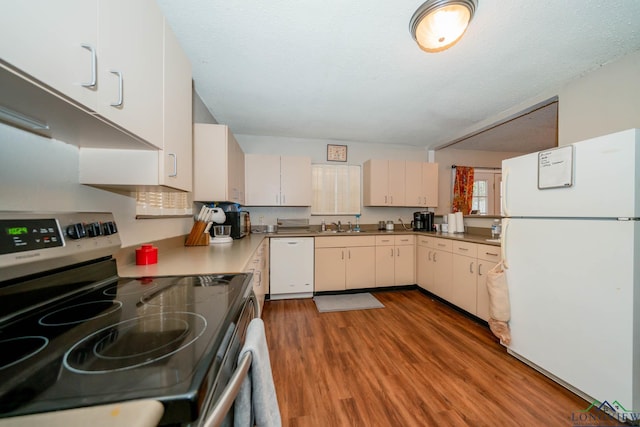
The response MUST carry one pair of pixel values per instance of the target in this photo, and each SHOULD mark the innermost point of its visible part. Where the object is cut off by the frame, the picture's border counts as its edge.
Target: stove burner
(79, 313)
(21, 348)
(134, 343)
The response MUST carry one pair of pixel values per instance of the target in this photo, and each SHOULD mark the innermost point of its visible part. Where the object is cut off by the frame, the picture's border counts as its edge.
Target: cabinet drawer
(443, 245)
(426, 241)
(342, 242)
(385, 240)
(404, 240)
(489, 253)
(465, 248)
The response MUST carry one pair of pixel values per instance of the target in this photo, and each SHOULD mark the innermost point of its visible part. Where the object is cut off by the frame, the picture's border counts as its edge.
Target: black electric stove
(74, 334)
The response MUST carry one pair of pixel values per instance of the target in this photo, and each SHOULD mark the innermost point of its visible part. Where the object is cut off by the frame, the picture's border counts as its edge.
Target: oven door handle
(232, 389)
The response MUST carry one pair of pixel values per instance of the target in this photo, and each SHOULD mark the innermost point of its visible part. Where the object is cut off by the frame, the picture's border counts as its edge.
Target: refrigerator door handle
(503, 243)
(504, 183)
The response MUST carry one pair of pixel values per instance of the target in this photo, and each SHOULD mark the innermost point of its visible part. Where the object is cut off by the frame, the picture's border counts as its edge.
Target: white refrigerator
(571, 245)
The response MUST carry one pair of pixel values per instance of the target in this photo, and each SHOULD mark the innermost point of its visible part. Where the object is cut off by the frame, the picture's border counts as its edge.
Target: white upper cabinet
(400, 183)
(176, 157)
(218, 164)
(130, 53)
(54, 42)
(103, 56)
(421, 184)
(384, 182)
(277, 181)
(158, 170)
(295, 181)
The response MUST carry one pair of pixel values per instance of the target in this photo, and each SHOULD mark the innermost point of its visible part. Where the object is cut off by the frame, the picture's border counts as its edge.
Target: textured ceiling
(350, 71)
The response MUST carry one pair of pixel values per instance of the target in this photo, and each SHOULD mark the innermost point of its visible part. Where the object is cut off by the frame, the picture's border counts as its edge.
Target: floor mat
(346, 302)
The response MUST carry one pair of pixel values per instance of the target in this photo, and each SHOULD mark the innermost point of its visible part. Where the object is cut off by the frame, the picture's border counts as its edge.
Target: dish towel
(257, 390)
(499, 306)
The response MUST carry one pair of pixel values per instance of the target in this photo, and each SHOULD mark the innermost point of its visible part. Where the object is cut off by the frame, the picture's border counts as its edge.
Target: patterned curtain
(463, 190)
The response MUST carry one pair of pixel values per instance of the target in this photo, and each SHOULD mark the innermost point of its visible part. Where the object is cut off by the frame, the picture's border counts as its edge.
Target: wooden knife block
(197, 236)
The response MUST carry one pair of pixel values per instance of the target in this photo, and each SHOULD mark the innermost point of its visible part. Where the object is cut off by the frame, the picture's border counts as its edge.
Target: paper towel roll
(459, 222)
(451, 220)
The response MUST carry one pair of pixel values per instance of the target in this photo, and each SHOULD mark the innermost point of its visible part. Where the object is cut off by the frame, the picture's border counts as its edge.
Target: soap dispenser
(357, 227)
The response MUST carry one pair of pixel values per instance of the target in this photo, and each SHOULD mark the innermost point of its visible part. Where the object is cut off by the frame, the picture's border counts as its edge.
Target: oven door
(219, 408)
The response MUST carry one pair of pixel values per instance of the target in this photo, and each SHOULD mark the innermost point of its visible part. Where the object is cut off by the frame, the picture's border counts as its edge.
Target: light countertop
(197, 260)
(233, 257)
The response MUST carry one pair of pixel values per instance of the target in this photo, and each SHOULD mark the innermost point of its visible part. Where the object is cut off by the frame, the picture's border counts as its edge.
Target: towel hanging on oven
(257, 391)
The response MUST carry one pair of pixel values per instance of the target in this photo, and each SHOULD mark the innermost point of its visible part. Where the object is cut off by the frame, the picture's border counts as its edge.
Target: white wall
(357, 153)
(604, 101)
(40, 174)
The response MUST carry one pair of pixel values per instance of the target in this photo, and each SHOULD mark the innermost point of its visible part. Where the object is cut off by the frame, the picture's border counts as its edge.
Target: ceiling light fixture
(439, 24)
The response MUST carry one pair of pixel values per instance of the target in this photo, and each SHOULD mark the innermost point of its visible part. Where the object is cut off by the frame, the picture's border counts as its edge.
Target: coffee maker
(423, 221)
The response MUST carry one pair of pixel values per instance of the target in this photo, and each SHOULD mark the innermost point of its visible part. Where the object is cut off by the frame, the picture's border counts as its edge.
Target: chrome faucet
(339, 225)
(350, 227)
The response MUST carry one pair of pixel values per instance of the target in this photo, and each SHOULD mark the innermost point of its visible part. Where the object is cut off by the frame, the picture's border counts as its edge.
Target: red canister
(146, 254)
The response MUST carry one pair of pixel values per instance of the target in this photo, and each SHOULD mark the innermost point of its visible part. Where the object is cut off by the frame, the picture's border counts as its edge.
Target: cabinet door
(360, 271)
(262, 180)
(488, 257)
(45, 39)
(396, 183)
(130, 51)
(414, 193)
(482, 294)
(385, 265)
(236, 170)
(176, 167)
(210, 162)
(404, 265)
(464, 283)
(295, 181)
(330, 269)
(430, 184)
(376, 184)
(442, 274)
(423, 267)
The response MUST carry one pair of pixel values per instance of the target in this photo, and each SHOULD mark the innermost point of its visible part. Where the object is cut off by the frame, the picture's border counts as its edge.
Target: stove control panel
(50, 240)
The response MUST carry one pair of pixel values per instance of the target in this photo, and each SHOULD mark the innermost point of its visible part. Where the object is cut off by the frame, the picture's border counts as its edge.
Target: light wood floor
(416, 362)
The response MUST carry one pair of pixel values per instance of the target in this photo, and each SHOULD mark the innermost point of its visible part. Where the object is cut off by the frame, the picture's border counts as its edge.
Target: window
(336, 190)
(151, 204)
(486, 192)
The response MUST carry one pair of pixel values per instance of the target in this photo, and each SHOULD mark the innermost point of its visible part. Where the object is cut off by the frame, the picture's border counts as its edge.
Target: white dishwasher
(291, 267)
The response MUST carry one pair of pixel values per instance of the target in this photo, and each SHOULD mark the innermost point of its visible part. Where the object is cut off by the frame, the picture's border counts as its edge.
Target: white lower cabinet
(344, 263)
(395, 260)
(259, 266)
(425, 266)
(442, 268)
(456, 271)
(465, 270)
(488, 257)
